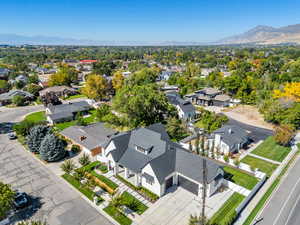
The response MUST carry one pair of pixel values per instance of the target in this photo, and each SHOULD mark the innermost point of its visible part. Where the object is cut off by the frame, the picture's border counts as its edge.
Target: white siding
(109, 148)
(156, 187)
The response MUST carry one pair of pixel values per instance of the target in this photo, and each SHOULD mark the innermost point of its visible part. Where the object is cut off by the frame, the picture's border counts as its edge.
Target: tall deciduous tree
(142, 105)
(118, 80)
(95, 87)
(6, 199)
(65, 76)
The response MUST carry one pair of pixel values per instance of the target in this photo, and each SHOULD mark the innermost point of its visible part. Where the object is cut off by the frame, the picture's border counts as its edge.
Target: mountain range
(262, 35)
(266, 35)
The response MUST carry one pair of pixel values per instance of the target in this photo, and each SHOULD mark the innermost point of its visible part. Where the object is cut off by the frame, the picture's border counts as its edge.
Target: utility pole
(204, 171)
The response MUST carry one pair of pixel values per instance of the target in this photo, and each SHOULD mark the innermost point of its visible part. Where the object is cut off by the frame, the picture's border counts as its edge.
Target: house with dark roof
(208, 97)
(91, 138)
(6, 98)
(230, 139)
(147, 157)
(185, 108)
(60, 91)
(66, 112)
(4, 73)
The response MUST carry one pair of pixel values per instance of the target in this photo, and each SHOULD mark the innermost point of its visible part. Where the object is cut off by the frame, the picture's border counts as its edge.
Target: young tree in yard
(118, 80)
(95, 87)
(52, 148)
(68, 166)
(18, 100)
(141, 105)
(176, 129)
(102, 111)
(23, 127)
(284, 134)
(84, 159)
(36, 136)
(33, 89)
(6, 199)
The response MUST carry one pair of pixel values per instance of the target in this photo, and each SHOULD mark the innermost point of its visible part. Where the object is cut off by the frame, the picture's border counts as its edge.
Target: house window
(149, 179)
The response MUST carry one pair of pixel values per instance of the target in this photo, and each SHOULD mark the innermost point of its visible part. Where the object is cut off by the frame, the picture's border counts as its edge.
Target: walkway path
(123, 187)
(266, 159)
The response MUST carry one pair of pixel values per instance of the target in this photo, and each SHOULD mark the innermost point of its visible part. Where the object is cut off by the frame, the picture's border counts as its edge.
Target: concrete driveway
(176, 207)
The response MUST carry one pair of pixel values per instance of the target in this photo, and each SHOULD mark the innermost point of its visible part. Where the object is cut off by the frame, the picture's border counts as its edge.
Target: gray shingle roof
(165, 157)
(186, 106)
(70, 107)
(57, 89)
(232, 136)
(96, 135)
(9, 95)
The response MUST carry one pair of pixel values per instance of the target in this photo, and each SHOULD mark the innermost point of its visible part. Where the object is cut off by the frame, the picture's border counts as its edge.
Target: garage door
(169, 183)
(188, 185)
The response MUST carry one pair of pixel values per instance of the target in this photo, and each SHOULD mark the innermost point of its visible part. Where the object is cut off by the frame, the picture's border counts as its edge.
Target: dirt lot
(247, 114)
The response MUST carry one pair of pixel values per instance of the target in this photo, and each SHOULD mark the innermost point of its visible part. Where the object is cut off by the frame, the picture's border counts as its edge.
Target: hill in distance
(266, 35)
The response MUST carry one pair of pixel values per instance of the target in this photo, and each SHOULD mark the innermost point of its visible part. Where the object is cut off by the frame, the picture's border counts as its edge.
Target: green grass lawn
(260, 164)
(87, 192)
(75, 96)
(240, 178)
(269, 149)
(117, 215)
(138, 207)
(88, 120)
(36, 117)
(226, 214)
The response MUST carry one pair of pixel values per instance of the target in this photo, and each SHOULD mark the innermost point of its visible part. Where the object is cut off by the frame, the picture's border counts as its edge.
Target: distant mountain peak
(262, 34)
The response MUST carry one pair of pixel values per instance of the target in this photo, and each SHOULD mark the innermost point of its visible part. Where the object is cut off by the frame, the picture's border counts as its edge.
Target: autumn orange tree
(283, 134)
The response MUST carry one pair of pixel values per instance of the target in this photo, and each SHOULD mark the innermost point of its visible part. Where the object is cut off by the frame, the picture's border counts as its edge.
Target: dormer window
(143, 150)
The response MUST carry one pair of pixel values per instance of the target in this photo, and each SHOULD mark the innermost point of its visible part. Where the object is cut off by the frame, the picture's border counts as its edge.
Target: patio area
(177, 206)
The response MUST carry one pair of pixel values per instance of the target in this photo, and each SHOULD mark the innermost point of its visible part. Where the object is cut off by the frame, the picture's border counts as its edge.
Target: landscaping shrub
(36, 136)
(75, 148)
(52, 148)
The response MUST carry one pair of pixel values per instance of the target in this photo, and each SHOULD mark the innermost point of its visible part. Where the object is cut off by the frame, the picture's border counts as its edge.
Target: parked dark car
(21, 200)
(11, 136)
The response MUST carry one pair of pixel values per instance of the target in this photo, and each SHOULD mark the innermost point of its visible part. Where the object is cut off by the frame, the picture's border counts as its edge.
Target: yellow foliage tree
(118, 80)
(95, 87)
(290, 90)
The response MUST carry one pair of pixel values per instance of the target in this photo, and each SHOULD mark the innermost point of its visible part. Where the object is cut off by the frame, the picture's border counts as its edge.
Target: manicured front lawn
(117, 215)
(36, 117)
(105, 180)
(62, 126)
(226, 214)
(75, 183)
(240, 178)
(269, 149)
(75, 96)
(260, 164)
(138, 206)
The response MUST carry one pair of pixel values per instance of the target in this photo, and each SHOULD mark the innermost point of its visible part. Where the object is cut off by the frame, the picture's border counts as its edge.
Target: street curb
(92, 204)
(100, 211)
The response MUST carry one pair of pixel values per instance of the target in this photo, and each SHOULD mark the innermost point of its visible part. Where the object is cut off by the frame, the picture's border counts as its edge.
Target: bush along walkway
(122, 188)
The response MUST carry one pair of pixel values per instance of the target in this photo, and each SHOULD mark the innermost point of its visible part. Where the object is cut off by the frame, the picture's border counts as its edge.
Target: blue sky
(133, 20)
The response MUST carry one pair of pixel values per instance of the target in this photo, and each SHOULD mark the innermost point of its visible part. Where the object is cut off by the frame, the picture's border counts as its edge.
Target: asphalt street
(54, 200)
(284, 206)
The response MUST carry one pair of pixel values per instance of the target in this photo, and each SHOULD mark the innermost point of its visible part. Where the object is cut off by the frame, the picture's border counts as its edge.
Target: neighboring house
(206, 71)
(92, 138)
(185, 109)
(60, 91)
(164, 75)
(230, 139)
(209, 97)
(4, 73)
(171, 88)
(148, 158)
(6, 98)
(66, 112)
(22, 78)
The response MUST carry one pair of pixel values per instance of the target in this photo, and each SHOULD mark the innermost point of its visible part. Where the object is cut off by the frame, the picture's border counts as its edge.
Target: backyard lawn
(226, 214)
(240, 178)
(260, 164)
(269, 149)
(36, 117)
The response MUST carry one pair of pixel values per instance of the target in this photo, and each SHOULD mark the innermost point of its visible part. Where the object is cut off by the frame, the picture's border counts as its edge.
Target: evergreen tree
(36, 136)
(52, 148)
